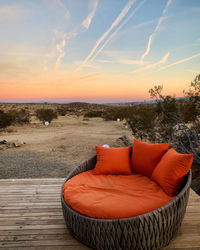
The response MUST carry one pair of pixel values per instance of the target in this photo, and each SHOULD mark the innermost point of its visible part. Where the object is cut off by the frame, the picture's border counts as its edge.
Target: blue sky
(96, 50)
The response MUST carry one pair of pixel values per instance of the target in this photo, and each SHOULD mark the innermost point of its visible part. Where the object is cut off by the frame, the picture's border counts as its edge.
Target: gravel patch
(28, 164)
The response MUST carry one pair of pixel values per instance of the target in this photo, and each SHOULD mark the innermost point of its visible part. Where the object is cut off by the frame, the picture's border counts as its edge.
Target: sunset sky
(97, 50)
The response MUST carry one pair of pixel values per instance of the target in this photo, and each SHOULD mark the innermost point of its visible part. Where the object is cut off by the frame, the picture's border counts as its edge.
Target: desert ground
(54, 150)
(34, 150)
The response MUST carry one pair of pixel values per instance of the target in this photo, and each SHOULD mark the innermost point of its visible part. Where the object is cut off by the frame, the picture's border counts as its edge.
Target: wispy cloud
(59, 48)
(113, 25)
(86, 22)
(153, 65)
(104, 61)
(57, 4)
(132, 62)
(83, 27)
(92, 66)
(138, 26)
(117, 30)
(179, 62)
(88, 65)
(167, 6)
(157, 28)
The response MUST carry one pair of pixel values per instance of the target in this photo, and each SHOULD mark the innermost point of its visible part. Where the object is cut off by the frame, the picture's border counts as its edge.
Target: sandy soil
(54, 150)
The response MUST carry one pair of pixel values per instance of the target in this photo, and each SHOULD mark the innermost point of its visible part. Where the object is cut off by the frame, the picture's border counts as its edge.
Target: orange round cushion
(146, 156)
(113, 196)
(113, 160)
(171, 170)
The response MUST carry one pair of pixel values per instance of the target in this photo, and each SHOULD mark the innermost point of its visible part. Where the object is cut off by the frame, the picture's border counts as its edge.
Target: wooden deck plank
(35, 232)
(43, 242)
(25, 214)
(31, 218)
(39, 181)
(82, 247)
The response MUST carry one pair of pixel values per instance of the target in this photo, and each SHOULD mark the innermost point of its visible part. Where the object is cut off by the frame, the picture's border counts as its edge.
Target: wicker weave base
(149, 231)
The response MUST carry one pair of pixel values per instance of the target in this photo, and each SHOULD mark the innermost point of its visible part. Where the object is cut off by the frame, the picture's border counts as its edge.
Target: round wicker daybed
(152, 230)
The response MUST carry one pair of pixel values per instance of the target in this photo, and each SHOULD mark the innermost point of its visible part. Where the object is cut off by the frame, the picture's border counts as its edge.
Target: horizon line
(149, 100)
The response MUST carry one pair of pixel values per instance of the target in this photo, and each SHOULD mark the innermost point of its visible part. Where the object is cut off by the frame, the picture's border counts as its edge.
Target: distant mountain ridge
(131, 103)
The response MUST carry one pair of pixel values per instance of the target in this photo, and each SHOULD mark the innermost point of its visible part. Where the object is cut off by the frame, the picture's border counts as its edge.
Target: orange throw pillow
(146, 156)
(171, 170)
(113, 160)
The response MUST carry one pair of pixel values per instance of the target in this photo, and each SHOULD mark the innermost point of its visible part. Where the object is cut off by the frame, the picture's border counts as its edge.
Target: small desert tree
(192, 100)
(46, 115)
(189, 111)
(166, 106)
(194, 90)
(168, 115)
(175, 115)
(171, 120)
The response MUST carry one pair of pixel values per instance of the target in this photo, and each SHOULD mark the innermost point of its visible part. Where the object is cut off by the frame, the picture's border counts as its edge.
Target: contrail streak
(86, 22)
(180, 61)
(152, 36)
(84, 26)
(119, 27)
(150, 66)
(114, 24)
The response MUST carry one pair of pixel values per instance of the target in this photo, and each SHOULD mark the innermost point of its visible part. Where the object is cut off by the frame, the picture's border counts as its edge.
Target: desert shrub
(20, 117)
(118, 112)
(94, 113)
(111, 115)
(142, 121)
(46, 115)
(5, 119)
(166, 106)
(169, 110)
(189, 111)
(61, 111)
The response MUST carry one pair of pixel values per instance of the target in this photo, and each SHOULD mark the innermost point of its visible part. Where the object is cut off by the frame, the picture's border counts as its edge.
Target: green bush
(189, 111)
(20, 117)
(142, 121)
(46, 115)
(5, 119)
(110, 115)
(118, 112)
(94, 113)
(62, 110)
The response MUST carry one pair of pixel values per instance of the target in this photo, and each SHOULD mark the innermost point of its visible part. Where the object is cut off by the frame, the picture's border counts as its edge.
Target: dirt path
(54, 150)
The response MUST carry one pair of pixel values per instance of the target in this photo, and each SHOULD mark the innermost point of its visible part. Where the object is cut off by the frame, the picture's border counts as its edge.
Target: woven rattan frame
(153, 230)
